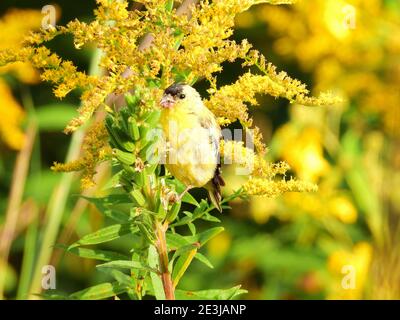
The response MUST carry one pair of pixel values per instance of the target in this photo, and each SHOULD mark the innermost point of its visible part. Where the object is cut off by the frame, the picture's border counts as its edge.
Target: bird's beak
(167, 101)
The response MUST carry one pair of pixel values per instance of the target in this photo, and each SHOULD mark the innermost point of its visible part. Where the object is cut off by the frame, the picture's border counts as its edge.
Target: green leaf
(119, 276)
(169, 5)
(214, 294)
(127, 264)
(113, 182)
(156, 282)
(192, 228)
(198, 213)
(183, 221)
(106, 234)
(112, 205)
(53, 295)
(182, 265)
(204, 260)
(211, 218)
(175, 241)
(100, 291)
(53, 117)
(138, 197)
(102, 255)
(182, 250)
(205, 236)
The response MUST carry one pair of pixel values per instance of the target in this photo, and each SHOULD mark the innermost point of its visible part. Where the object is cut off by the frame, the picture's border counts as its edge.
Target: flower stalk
(161, 245)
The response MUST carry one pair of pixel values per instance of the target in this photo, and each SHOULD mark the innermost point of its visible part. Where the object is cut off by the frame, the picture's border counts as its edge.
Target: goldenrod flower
(95, 150)
(191, 48)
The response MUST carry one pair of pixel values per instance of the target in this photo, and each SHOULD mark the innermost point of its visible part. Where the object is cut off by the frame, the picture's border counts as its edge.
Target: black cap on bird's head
(172, 94)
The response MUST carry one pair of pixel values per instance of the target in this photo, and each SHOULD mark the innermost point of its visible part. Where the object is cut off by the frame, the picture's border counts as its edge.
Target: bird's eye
(182, 96)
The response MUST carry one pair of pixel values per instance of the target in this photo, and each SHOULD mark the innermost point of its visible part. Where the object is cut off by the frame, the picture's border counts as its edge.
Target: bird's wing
(208, 122)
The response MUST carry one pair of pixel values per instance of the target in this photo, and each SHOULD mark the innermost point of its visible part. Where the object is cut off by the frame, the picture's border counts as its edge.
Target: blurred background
(342, 242)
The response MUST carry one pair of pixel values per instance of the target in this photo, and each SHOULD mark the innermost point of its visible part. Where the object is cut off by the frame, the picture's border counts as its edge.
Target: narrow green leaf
(127, 264)
(174, 241)
(211, 218)
(120, 277)
(214, 294)
(156, 282)
(106, 234)
(192, 228)
(100, 291)
(181, 251)
(111, 206)
(101, 255)
(182, 265)
(127, 158)
(138, 197)
(113, 182)
(204, 260)
(53, 295)
(169, 5)
(205, 236)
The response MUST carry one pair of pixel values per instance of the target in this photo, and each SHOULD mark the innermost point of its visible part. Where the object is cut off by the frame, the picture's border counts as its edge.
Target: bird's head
(176, 93)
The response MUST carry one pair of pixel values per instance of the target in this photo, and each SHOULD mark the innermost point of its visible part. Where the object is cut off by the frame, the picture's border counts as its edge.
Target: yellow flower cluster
(14, 26)
(264, 178)
(229, 101)
(95, 150)
(352, 45)
(150, 48)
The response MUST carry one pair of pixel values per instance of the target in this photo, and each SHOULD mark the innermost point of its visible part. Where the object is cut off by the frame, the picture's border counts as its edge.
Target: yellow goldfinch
(193, 135)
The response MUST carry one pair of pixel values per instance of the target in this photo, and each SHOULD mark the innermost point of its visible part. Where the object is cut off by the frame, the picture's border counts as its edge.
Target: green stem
(28, 260)
(161, 245)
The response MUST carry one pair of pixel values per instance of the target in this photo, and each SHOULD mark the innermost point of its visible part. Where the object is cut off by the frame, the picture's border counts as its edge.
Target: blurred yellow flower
(342, 208)
(262, 209)
(14, 26)
(303, 151)
(350, 271)
(219, 245)
(11, 116)
(352, 45)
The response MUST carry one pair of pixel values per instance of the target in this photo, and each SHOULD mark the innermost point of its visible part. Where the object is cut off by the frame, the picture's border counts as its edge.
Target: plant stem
(28, 260)
(161, 245)
(15, 198)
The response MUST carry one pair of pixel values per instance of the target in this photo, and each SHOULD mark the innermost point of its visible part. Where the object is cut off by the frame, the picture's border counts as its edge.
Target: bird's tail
(214, 188)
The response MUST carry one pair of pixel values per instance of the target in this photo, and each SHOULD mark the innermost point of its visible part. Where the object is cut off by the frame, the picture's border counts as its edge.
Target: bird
(192, 136)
